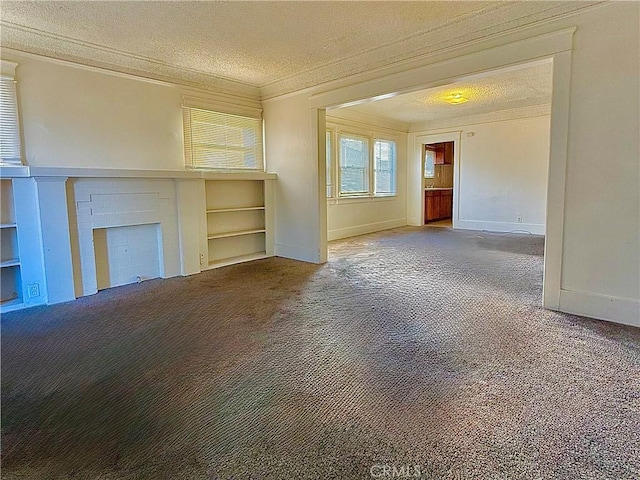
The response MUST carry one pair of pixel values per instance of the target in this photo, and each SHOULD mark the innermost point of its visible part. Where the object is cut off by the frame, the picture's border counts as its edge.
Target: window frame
(330, 140)
(428, 148)
(395, 165)
(368, 173)
(336, 129)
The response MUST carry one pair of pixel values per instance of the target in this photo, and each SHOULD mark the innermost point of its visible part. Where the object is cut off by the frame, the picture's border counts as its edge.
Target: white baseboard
(346, 232)
(601, 307)
(505, 227)
(295, 252)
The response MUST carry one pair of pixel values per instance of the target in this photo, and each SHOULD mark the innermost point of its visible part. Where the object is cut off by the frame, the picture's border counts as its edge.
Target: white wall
(74, 116)
(290, 151)
(602, 207)
(502, 175)
(355, 216)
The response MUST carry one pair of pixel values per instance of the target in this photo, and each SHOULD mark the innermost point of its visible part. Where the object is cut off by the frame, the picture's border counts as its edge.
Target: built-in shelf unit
(239, 220)
(11, 280)
(204, 220)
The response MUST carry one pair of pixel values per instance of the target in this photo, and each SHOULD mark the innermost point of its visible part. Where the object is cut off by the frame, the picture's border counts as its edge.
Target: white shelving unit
(239, 220)
(10, 275)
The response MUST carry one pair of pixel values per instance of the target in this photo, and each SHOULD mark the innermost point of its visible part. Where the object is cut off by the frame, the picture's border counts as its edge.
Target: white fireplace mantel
(71, 172)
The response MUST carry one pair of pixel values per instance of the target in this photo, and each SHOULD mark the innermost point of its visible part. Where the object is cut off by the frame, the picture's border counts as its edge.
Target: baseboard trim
(503, 227)
(601, 307)
(346, 232)
(295, 252)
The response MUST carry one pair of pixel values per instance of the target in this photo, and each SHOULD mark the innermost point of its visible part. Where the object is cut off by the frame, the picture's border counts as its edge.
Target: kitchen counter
(438, 203)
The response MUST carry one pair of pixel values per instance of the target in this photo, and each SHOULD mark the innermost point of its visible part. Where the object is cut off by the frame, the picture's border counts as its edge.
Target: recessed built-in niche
(127, 254)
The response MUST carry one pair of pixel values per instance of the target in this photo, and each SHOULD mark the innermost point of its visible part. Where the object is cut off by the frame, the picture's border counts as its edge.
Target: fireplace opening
(127, 254)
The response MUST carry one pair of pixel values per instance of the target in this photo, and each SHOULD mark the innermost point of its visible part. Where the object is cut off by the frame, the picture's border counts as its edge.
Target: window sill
(361, 199)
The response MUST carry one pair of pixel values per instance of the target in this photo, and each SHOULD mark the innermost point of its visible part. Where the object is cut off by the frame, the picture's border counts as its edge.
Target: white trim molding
(7, 67)
(602, 307)
(501, 227)
(415, 178)
(556, 180)
(95, 57)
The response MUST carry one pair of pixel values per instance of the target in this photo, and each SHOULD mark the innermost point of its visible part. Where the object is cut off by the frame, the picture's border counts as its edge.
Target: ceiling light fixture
(455, 99)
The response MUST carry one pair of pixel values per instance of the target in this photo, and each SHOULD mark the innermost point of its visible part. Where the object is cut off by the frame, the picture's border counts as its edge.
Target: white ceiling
(510, 88)
(280, 46)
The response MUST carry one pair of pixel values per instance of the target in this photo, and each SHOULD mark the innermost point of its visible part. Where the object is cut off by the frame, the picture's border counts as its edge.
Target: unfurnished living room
(314, 240)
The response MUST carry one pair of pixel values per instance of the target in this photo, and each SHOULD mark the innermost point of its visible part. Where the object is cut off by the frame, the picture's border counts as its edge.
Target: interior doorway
(437, 178)
(529, 52)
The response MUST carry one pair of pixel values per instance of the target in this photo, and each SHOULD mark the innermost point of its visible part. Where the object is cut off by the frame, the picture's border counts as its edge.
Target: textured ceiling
(255, 42)
(283, 46)
(505, 89)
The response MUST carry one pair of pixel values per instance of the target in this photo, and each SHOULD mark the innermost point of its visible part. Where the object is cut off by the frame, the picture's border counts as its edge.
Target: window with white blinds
(384, 165)
(9, 125)
(358, 170)
(221, 141)
(354, 165)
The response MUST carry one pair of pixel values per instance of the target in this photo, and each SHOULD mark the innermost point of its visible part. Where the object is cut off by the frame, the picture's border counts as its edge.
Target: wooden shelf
(239, 220)
(241, 209)
(10, 268)
(12, 262)
(239, 259)
(235, 234)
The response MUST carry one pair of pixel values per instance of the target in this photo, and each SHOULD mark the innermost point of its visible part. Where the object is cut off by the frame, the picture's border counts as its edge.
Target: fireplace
(122, 230)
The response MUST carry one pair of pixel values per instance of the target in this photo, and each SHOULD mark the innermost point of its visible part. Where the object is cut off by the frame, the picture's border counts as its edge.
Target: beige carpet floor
(423, 350)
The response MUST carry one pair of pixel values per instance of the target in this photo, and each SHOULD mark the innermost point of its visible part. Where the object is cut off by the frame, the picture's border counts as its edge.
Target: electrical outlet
(33, 290)
(202, 259)
(519, 218)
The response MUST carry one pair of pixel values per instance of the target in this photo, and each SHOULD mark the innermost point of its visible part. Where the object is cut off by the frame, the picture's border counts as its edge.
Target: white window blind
(9, 126)
(354, 165)
(222, 141)
(384, 162)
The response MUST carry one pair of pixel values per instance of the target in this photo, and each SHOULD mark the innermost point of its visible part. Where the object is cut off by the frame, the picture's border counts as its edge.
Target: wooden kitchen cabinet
(446, 204)
(443, 153)
(429, 205)
(448, 153)
(438, 205)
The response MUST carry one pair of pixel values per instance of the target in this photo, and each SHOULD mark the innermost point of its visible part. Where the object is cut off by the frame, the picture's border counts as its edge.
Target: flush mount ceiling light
(455, 99)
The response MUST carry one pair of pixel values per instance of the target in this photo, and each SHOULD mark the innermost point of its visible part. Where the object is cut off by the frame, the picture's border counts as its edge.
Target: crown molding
(53, 46)
(411, 53)
(479, 27)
